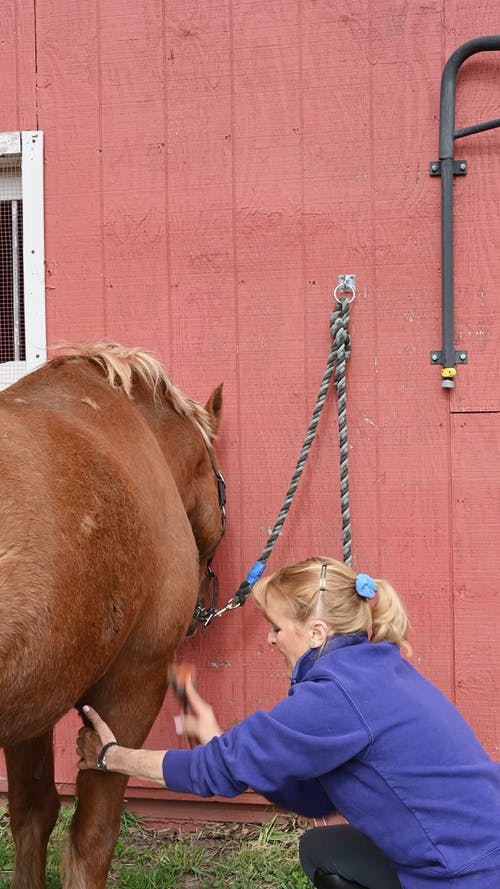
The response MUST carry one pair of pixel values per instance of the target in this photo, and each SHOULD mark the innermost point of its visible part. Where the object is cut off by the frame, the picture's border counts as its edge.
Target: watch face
(101, 761)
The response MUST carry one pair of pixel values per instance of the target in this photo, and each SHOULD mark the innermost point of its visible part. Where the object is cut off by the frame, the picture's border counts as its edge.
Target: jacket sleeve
(305, 798)
(309, 734)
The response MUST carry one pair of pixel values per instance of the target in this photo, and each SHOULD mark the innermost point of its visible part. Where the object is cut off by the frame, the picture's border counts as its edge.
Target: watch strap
(101, 759)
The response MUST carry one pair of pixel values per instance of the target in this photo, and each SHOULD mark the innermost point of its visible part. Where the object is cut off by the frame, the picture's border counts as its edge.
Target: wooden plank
(69, 113)
(133, 172)
(476, 534)
(198, 195)
(200, 341)
(337, 240)
(17, 66)
(163, 809)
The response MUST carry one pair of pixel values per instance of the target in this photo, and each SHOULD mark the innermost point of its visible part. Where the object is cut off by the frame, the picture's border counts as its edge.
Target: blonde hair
(382, 618)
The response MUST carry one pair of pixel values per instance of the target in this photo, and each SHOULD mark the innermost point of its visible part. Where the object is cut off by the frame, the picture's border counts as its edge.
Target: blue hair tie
(365, 586)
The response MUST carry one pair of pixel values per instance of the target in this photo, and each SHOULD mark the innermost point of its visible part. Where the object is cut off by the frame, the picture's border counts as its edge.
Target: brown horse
(109, 512)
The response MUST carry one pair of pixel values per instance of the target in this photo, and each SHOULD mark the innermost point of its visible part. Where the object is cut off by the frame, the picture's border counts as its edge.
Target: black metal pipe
(448, 85)
(447, 136)
(447, 308)
(477, 128)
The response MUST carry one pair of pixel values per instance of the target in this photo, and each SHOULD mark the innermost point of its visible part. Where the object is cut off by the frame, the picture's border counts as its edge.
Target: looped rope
(338, 357)
(337, 360)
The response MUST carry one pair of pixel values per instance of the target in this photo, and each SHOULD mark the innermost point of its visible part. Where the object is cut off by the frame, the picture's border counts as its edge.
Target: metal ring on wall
(345, 288)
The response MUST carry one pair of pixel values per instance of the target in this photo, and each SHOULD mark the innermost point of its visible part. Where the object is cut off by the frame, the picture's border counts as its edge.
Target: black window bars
(447, 167)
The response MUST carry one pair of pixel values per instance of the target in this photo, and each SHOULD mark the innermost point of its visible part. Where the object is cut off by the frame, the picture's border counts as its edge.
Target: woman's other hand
(200, 723)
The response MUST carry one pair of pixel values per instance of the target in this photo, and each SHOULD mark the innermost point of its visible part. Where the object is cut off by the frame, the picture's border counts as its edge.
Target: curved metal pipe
(448, 357)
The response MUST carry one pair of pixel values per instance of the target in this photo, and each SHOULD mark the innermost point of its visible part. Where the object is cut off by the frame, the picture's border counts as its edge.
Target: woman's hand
(200, 723)
(144, 764)
(90, 742)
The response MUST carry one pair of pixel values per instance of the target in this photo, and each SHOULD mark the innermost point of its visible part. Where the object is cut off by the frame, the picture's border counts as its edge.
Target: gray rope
(343, 352)
(337, 359)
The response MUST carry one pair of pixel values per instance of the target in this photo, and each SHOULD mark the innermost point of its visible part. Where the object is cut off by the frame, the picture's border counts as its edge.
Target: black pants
(342, 850)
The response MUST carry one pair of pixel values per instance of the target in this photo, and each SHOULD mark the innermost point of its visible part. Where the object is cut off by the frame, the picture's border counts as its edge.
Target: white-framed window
(22, 262)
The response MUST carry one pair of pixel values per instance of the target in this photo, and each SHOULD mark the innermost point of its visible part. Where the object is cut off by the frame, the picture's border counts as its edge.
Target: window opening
(12, 338)
(22, 276)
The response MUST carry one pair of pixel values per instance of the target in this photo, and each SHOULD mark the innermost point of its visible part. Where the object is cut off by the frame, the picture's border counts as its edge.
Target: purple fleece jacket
(363, 733)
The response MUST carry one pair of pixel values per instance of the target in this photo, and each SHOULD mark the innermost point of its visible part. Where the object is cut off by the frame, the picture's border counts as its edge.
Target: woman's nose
(271, 638)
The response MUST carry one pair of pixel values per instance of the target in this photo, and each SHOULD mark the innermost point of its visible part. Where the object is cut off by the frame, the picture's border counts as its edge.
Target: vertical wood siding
(211, 168)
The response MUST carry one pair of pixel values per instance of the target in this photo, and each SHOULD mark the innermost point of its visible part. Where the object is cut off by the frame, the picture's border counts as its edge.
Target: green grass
(218, 856)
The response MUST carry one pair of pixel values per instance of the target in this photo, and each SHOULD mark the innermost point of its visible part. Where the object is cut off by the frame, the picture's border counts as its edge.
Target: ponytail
(389, 618)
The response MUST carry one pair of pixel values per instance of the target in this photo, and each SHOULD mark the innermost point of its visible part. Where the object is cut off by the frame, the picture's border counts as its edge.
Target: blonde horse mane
(121, 365)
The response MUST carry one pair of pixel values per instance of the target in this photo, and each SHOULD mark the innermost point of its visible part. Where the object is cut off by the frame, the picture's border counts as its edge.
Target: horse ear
(214, 408)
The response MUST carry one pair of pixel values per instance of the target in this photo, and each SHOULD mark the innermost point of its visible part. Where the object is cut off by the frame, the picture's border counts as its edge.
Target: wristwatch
(101, 759)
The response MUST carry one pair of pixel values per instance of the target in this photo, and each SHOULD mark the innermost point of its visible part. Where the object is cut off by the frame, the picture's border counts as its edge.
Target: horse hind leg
(33, 807)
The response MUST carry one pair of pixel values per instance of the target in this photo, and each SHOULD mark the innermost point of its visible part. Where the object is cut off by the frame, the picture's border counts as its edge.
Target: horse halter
(221, 491)
(203, 613)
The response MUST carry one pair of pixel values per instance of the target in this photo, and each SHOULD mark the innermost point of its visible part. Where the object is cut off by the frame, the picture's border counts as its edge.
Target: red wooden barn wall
(211, 167)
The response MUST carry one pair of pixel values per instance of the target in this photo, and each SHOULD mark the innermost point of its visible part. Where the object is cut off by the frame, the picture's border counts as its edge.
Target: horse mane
(122, 366)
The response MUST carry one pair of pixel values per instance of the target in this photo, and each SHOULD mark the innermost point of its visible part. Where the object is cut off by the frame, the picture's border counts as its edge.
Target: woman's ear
(319, 633)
